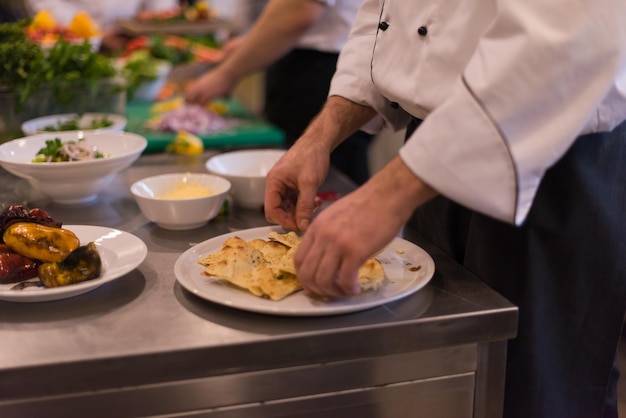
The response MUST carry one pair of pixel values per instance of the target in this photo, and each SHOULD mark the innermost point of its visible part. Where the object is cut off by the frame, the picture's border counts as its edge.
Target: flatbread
(266, 268)
(252, 266)
(290, 239)
(371, 275)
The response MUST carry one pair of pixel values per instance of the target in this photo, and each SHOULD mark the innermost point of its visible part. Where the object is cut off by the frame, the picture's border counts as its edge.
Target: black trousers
(565, 268)
(296, 88)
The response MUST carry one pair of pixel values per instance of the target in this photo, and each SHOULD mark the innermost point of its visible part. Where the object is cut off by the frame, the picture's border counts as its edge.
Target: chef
(513, 165)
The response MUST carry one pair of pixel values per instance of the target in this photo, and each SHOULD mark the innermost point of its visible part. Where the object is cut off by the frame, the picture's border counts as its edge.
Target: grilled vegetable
(20, 213)
(15, 267)
(82, 264)
(40, 242)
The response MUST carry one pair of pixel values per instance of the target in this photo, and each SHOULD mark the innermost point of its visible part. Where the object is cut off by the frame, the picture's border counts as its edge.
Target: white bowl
(180, 213)
(76, 181)
(38, 125)
(246, 170)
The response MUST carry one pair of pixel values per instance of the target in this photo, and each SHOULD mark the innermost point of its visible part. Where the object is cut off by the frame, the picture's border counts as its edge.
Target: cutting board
(251, 132)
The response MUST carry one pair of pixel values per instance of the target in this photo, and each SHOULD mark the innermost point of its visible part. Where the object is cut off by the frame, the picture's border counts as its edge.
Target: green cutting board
(251, 132)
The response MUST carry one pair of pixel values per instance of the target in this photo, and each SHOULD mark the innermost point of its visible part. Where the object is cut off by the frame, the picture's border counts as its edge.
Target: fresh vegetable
(40, 242)
(62, 151)
(65, 68)
(68, 66)
(191, 118)
(21, 61)
(74, 125)
(161, 49)
(140, 67)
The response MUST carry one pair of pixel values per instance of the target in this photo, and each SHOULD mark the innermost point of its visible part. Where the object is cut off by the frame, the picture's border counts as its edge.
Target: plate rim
(64, 292)
(188, 284)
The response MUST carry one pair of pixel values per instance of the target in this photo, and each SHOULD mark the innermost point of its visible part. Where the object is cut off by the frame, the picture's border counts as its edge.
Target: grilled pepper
(40, 242)
(84, 263)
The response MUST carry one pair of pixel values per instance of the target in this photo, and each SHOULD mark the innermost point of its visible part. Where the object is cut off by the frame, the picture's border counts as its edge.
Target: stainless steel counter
(144, 346)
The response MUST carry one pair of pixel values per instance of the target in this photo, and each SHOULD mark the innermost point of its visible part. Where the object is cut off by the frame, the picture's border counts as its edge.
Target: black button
(383, 25)
(422, 30)
(394, 105)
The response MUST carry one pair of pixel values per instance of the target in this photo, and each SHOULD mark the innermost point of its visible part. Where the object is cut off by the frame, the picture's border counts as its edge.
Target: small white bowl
(76, 181)
(180, 213)
(246, 170)
(38, 125)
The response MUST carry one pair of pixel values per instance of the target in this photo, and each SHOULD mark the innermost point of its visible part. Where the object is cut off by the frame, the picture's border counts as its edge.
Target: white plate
(399, 259)
(38, 125)
(120, 252)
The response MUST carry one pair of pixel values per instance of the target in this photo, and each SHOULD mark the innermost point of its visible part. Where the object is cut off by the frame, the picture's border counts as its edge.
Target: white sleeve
(534, 80)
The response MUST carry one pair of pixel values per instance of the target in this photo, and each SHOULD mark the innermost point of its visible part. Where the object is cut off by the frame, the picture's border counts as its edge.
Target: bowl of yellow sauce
(181, 201)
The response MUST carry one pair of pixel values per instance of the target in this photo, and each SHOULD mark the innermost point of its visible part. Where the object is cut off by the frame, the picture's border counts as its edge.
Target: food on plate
(245, 265)
(15, 267)
(20, 213)
(186, 190)
(81, 264)
(265, 268)
(33, 244)
(191, 118)
(73, 124)
(40, 242)
(64, 151)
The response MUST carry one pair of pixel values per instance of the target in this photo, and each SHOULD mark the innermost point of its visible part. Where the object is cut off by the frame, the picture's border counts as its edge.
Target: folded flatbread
(266, 268)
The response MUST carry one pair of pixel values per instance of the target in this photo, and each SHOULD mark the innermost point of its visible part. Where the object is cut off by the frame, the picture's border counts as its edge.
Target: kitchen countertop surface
(146, 328)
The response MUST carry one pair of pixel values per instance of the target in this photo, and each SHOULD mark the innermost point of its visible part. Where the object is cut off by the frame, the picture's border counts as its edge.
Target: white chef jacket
(504, 86)
(330, 32)
(103, 12)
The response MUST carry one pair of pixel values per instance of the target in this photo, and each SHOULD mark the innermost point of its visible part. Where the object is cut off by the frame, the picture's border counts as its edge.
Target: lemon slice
(186, 143)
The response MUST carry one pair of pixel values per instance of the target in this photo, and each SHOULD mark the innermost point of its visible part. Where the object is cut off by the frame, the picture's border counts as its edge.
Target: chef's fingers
(280, 205)
(317, 269)
(347, 276)
(305, 207)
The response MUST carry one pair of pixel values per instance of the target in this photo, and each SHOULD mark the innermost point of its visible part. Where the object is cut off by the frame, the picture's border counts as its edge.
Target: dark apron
(565, 268)
(296, 88)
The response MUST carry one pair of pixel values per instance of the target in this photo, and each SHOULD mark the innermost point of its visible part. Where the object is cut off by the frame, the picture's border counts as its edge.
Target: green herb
(25, 69)
(20, 59)
(73, 125)
(68, 66)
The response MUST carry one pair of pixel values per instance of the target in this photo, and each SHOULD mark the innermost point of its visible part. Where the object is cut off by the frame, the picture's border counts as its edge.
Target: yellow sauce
(185, 190)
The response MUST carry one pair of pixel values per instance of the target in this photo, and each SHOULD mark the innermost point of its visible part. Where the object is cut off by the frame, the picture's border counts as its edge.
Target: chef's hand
(355, 228)
(210, 86)
(292, 184)
(217, 83)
